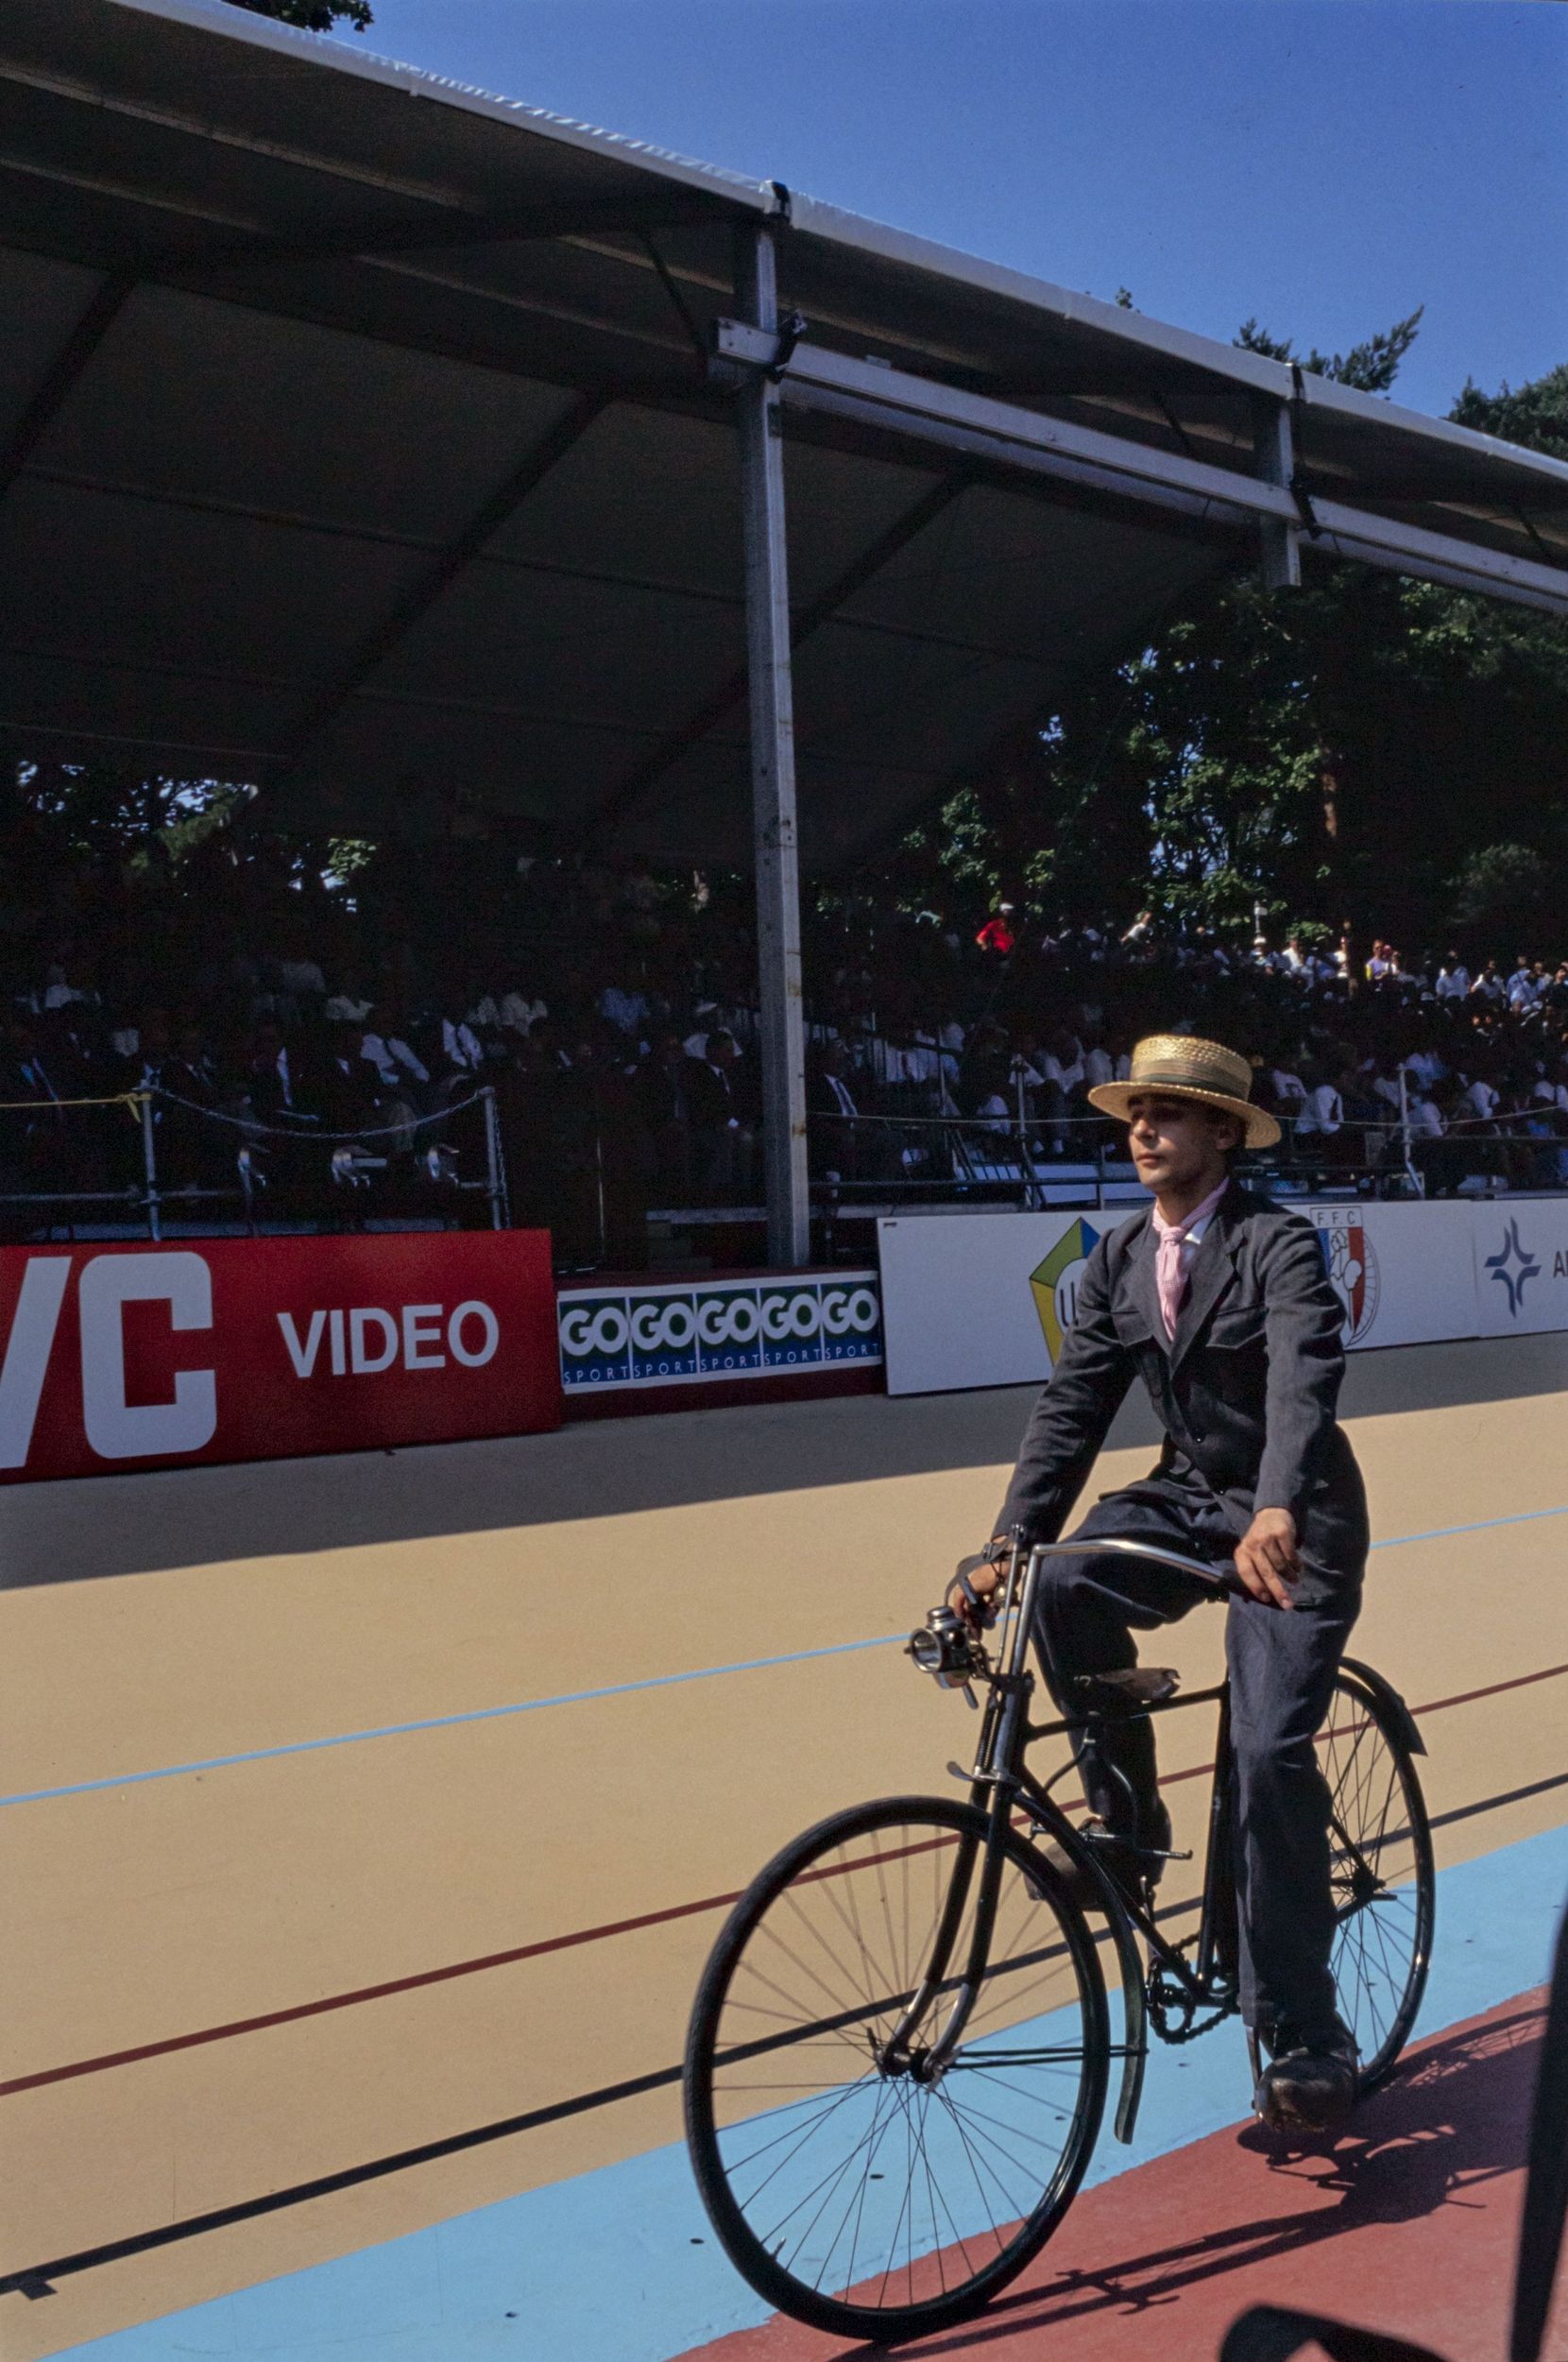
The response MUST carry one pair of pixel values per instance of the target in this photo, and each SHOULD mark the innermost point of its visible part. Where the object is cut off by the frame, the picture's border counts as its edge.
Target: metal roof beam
(566, 218)
(74, 357)
(954, 420)
(421, 595)
(731, 692)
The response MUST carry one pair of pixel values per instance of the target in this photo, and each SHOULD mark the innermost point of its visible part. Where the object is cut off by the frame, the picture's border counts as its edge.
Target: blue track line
(450, 1721)
(616, 1690)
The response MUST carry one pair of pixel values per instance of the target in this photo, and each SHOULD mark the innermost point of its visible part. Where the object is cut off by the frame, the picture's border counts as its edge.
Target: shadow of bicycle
(1455, 2118)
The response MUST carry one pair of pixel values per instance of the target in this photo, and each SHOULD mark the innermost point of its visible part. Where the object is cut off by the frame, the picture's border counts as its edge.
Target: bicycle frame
(1194, 1978)
(1000, 1783)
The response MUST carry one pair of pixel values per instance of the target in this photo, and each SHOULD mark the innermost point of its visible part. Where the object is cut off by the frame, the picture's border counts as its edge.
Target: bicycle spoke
(870, 2172)
(1381, 1876)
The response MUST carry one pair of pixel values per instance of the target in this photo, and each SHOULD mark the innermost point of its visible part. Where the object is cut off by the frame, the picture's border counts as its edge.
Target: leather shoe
(1310, 2086)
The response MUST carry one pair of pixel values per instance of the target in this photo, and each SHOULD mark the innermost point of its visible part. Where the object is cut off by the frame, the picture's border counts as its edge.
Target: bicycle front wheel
(1384, 1888)
(885, 2122)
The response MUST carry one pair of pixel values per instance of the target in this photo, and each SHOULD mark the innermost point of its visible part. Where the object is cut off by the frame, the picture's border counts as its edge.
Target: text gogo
(717, 1321)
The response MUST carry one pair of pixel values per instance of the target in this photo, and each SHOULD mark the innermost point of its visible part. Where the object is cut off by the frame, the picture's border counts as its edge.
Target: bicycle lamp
(947, 1650)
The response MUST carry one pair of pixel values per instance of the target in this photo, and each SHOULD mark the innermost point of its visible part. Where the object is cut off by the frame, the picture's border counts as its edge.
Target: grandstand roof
(362, 435)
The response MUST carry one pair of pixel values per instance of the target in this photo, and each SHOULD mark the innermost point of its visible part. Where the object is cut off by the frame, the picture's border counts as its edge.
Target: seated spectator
(266, 1077)
(461, 1052)
(350, 1005)
(843, 1145)
(724, 1119)
(626, 1009)
(397, 1068)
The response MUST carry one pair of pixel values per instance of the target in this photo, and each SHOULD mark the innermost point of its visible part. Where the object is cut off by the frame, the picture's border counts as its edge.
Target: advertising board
(152, 1356)
(985, 1299)
(1404, 1274)
(1521, 1265)
(673, 1333)
(979, 1299)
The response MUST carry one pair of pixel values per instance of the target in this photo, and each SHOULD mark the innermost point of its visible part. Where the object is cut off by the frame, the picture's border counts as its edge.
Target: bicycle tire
(1058, 1940)
(1379, 1984)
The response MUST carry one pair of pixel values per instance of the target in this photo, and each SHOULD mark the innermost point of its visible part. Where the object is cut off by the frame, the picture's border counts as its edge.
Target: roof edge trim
(322, 50)
(813, 218)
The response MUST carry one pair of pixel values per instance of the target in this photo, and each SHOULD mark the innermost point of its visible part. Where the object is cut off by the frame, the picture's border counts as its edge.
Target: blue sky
(1325, 164)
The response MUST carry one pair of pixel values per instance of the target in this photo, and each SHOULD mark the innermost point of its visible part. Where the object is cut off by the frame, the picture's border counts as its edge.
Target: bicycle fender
(1389, 1698)
(1133, 2015)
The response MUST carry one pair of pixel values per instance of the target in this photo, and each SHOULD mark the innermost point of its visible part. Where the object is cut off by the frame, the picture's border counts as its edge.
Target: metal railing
(1036, 1160)
(349, 1160)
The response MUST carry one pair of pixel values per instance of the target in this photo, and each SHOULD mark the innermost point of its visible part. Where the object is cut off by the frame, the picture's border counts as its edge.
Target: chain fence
(64, 1163)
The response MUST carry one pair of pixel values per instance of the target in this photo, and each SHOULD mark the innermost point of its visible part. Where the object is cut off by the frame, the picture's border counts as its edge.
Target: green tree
(1535, 415)
(313, 16)
(1370, 368)
(1366, 747)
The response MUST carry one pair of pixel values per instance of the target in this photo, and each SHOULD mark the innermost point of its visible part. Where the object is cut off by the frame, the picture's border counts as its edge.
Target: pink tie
(1170, 1276)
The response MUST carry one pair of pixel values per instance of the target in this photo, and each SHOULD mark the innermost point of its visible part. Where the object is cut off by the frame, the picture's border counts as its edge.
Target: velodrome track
(365, 1822)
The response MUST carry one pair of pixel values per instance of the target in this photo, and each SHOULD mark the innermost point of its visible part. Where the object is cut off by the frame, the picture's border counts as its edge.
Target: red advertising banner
(137, 1357)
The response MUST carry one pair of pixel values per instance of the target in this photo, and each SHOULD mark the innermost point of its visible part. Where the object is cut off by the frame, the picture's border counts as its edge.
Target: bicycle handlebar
(1222, 1582)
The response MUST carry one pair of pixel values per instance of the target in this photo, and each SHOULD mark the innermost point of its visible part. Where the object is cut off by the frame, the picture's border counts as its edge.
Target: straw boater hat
(1176, 1066)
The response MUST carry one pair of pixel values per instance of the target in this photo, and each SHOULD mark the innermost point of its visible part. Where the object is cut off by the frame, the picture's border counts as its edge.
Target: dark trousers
(1282, 1667)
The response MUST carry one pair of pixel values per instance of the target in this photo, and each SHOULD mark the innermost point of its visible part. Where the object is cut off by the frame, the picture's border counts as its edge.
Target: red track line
(560, 1943)
(1467, 1697)
(366, 1992)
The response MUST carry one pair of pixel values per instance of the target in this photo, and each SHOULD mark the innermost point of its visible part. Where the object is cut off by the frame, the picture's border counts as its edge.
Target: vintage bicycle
(902, 2044)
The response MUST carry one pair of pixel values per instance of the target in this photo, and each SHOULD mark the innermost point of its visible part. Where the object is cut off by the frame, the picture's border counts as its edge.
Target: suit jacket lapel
(1140, 1282)
(1213, 1268)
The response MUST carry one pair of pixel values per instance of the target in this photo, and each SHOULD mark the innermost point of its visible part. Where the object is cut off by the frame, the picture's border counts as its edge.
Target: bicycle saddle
(1125, 1692)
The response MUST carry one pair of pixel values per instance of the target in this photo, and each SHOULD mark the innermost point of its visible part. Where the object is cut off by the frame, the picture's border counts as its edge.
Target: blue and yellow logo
(1055, 1284)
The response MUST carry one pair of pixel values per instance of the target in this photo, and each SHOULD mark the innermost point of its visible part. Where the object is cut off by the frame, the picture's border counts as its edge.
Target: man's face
(1177, 1142)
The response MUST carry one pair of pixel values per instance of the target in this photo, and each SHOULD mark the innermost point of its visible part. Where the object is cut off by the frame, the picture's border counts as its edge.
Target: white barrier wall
(984, 1299)
(1521, 1266)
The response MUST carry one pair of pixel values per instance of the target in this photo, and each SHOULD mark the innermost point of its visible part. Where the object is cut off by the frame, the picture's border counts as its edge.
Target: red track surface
(1406, 2223)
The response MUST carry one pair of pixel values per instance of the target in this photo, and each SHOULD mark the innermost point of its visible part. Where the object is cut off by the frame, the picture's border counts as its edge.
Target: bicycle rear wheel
(856, 2183)
(1384, 1888)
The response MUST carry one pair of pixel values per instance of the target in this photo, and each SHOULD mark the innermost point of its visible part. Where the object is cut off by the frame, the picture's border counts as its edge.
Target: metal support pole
(149, 1166)
(772, 773)
(496, 1183)
(1416, 1178)
(1274, 455)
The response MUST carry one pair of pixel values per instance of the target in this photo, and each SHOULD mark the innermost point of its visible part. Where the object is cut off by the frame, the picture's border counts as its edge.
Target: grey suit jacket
(1246, 1392)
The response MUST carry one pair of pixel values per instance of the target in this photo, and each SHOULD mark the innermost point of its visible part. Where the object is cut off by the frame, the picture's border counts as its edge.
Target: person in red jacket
(997, 934)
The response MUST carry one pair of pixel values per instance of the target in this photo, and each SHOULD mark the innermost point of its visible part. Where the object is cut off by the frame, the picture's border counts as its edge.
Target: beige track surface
(161, 1620)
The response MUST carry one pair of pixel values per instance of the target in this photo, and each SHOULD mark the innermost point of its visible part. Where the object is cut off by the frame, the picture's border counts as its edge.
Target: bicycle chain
(1173, 2014)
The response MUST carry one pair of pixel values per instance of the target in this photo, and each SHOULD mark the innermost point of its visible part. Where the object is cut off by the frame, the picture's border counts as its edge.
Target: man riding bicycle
(1220, 1302)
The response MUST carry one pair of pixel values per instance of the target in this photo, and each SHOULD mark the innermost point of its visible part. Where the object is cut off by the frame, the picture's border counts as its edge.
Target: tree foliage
(1535, 414)
(1365, 749)
(313, 16)
(1370, 368)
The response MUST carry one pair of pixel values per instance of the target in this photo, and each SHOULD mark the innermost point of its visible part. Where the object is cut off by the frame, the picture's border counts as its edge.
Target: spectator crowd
(321, 1048)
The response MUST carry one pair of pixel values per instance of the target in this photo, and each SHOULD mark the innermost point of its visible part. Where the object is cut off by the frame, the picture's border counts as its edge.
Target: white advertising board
(1405, 1274)
(1521, 1265)
(979, 1299)
(985, 1299)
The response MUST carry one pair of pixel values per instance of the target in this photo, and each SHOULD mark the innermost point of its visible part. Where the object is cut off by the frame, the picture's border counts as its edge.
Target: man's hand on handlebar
(986, 1582)
(1266, 1559)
